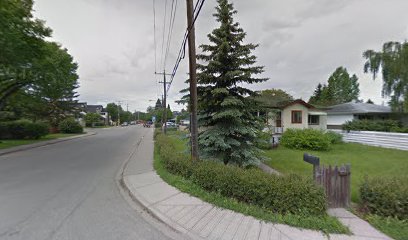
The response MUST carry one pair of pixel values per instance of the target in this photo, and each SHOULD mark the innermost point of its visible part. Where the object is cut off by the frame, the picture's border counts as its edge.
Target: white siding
(339, 119)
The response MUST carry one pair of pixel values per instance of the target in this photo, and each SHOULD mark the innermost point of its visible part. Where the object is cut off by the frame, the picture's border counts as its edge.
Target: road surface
(70, 191)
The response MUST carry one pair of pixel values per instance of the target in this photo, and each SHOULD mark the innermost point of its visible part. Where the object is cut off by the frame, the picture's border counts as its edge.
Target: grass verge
(325, 223)
(365, 161)
(397, 229)
(18, 142)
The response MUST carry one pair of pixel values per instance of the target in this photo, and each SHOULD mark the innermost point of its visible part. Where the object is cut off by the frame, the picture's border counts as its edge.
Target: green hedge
(22, 129)
(279, 194)
(375, 125)
(385, 197)
(69, 125)
(305, 139)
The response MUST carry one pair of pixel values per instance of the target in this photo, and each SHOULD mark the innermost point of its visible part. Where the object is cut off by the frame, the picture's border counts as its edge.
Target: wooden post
(193, 80)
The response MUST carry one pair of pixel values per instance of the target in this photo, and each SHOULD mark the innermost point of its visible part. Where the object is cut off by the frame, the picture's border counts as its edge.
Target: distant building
(339, 114)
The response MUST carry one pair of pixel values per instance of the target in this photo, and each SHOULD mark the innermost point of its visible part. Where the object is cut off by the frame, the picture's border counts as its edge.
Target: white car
(170, 125)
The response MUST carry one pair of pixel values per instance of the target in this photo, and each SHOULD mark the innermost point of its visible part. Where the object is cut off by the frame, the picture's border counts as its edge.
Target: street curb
(41, 144)
(145, 205)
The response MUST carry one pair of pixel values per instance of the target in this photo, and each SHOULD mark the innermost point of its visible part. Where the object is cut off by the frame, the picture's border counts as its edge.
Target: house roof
(354, 108)
(94, 108)
(299, 101)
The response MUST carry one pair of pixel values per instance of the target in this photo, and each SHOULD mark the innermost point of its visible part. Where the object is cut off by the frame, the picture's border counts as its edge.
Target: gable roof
(299, 101)
(354, 108)
(94, 108)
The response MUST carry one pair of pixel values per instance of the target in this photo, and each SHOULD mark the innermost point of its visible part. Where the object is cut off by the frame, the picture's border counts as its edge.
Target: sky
(301, 43)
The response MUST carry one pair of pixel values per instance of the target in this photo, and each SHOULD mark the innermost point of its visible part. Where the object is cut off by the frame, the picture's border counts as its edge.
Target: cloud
(301, 42)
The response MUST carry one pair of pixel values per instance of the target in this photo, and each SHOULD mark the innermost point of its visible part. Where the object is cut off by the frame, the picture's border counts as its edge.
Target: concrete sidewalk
(200, 220)
(42, 143)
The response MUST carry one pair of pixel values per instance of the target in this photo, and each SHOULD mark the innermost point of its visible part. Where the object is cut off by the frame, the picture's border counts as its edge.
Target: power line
(182, 51)
(164, 32)
(154, 33)
(170, 31)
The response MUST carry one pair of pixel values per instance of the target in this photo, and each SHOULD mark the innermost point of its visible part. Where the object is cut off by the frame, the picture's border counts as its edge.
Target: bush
(305, 139)
(69, 125)
(279, 194)
(22, 129)
(374, 125)
(385, 197)
(334, 138)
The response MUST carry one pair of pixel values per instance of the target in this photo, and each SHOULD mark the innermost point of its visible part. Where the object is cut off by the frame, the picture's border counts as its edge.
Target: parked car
(170, 125)
(124, 124)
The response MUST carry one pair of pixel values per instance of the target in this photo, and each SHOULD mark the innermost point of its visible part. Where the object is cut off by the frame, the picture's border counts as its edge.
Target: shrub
(385, 197)
(305, 139)
(22, 129)
(334, 138)
(374, 125)
(279, 194)
(69, 125)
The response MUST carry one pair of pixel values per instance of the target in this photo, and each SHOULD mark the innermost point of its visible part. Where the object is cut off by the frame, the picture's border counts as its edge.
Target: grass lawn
(397, 229)
(324, 223)
(13, 143)
(365, 161)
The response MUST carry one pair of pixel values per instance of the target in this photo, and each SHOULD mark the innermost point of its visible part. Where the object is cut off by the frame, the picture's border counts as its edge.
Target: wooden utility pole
(193, 80)
(164, 118)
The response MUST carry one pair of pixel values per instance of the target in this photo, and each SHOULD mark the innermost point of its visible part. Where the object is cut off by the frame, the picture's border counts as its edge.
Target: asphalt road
(69, 191)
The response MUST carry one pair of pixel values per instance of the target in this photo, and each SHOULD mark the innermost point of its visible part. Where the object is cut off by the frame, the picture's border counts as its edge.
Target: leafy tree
(272, 98)
(92, 118)
(52, 96)
(21, 43)
(112, 110)
(126, 116)
(345, 87)
(392, 61)
(56, 85)
(341, 88)
(226, 113)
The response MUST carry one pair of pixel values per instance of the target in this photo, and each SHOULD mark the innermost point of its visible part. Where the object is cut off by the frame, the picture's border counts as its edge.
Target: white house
(339, 114)
(298, 114)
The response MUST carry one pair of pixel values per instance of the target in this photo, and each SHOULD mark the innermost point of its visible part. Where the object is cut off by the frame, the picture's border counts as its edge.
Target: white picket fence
(380, 139)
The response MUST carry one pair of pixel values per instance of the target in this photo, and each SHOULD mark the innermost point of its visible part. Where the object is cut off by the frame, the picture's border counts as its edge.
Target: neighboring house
(297, 114)
(339, 114)
(99, 109)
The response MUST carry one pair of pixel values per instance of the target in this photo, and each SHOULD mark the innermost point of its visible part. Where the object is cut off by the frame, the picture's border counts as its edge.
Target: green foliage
(226, 114)
(392, 63)
(387, 197)
(393, 227)
(263, 140)
(324, 223)
(273, 98)
(286, 195)
(341, 88)
(21, 42)
(22, 129)
(91, 119)
(374, 125)
(334, 138)
(306, 139)
(69, 125)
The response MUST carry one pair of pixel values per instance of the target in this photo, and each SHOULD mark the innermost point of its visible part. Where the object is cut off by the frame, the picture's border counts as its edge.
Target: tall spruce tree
(226, 113)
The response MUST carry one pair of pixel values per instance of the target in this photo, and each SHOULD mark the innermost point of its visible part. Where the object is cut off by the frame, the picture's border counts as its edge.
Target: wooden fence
(336, 183)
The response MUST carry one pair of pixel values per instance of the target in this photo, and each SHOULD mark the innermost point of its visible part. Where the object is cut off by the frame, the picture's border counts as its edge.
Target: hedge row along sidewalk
(201, 220)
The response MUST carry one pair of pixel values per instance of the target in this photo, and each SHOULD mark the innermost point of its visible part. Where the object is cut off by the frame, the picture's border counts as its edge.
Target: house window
(296, 116)
(313, 120)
